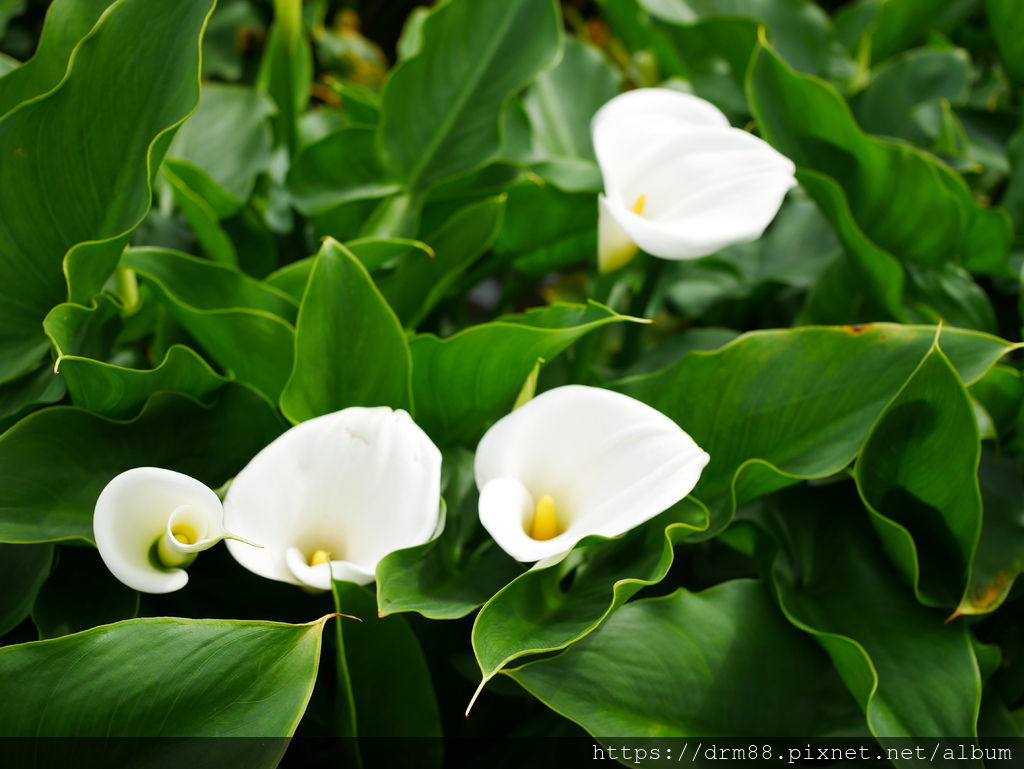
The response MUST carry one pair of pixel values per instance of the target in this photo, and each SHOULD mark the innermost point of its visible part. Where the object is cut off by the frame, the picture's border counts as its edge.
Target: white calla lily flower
(576, 461)
(149, 524)
(333, 495)
(679, 181)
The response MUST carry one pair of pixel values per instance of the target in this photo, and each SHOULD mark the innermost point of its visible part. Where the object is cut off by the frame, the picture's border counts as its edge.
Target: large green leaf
(77, 163)
(245, 325)
(905, 201)
(441, 109)
(389, 681)
(80, 594)
(55, 462)
(720, 663)
(23, 569)
(776, 406)
(350, 349)
(464, 381)
(538, 612)
(162, 677)
(918, 472)
(39, 387)
(911, 674)
(118, 391)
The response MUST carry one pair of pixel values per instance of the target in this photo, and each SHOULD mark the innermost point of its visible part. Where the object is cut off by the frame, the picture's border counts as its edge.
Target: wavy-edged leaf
(55, 462)
(806, 399)
(463, 382)
(719, 663)
(350, 349)
(244, 324)
(441, 108)
(54, 195)
(162, 677)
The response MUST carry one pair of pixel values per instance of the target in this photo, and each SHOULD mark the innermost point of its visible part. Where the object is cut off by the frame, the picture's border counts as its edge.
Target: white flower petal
(356, 484)
(609, 462)
(134, 512)
(615, 248)
(679, 181)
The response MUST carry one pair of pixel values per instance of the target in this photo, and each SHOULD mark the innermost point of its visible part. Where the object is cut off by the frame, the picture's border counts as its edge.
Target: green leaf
(902, 199)
(80, 594)
(350, 349)
(806, 399)
(562, 101)
(17, 398)
(67, 22)
(202, 218)
(471, 378)
(162, 677)
(244, 324)
(918, 473)
(1004, 19)
(23, 569)
(457, 571)
(117, 391)
(390, 683)
(64, 196)
(286, 72)
(719, 663)
(912, 675)
(885, 27)
(55, 462)
(441, 108)
(415, 286)
(538, 613)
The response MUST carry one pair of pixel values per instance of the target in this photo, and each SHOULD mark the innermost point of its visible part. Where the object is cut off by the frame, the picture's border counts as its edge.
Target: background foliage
(216, 222)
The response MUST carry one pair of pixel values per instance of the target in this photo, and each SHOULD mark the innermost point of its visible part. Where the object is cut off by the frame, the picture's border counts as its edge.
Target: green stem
(345, 704)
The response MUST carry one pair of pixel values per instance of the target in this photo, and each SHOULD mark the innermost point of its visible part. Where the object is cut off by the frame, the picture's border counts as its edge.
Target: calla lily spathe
(149, 524)
(679, 181)
(333, 495)
(576, 461)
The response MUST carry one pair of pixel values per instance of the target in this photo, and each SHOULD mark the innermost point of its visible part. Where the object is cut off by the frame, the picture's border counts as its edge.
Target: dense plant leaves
(562, 101)
(806, 398)
(905, 201)
(350, 349)
(67, 22)
(911, 674)
(881, 28)
(202, 218)
(46, 212)
(415, 286)
(182, 677)
(112, 390)
(23, 569)
(55, 462)
(80, 594)
(1008, 29)
(918, 472)
(440, 109)
(383, 665)
(244, 324)
(728, 666)
(464, 381)
(538, 612)
(454, 573)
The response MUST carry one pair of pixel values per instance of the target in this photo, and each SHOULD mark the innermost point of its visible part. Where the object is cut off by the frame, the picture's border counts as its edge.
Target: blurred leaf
(23, 569)
(390, 681)
(286, 71)
(232, 27)
(562, 101)
(350, 349)
(728, 665)
(64, 196)
(917, 472)
(464, 382)
(903, 200)
(537, 612)
(244, 324)
(78, 685)
(885, 27)
(55, 462)
(441, 108)
(81, 594)
(806, 399)
(1001, 393)
(911, 674)
(1004, 19)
